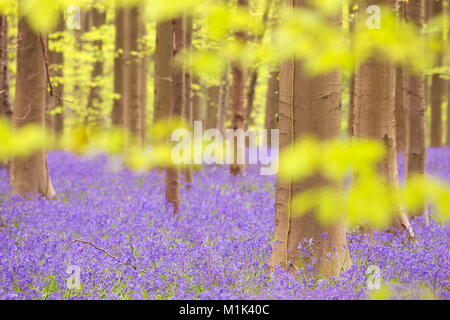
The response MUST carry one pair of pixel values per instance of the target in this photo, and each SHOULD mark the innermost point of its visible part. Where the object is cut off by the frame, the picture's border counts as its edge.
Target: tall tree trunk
(188, 112)
(5, 97)
(375, 115)
(320, 117)
(30, 175)
(132, 114)
(351, 86)
(196, 99)
(119, 67)
(416, 146)
(400, 113)
(304, 111)
(143, 75)
(176, 112)
(436, 111)
(163, 70)
(436, 93)
(284, 188)
(94, 104)
(239, 73)
(272, 104)
(213, 102)
(447, 133)
(251, 97)
(351, 105)
(78, 91)
(56, 65)
(223, 102)
(254, 73)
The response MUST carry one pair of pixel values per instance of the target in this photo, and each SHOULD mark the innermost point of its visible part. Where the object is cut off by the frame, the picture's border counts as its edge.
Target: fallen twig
(95, 246)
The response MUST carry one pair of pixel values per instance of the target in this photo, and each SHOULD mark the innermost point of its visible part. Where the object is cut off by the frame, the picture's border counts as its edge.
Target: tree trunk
(188, 115)
(213, 102)
(251, 97)
(30, 175)
(238, 96)
(351, 105)
(5, 97)
(163, 70)
(272, 104)
(254, 73)
(317, 112)
(56, 66)
(351, 86)
(78, 90)
(176, 112)
(375, 116)
(436, 111)
(400, 114)
(119, 67)
(447, 135)
(94, 105)
(284, 188)
(196, 99)
(308, 106)
(223, 102)
(143, 75)
(436, 93)
(416, 121)
(447, 132)
(132, 114)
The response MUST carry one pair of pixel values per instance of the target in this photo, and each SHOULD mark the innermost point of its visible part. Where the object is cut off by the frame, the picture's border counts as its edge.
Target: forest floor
(217, 247)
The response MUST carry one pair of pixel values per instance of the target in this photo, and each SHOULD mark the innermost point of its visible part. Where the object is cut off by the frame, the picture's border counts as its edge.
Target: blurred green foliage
(367, 198)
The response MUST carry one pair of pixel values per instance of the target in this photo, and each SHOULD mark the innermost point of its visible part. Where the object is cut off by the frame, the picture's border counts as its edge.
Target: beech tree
(94, 111)
(197, 100)
(271, 121)
(400, 112)
(119, 66)
(132, 111)
(212, 106)
(223, 101)
(5, 97)
(437, 87)
(239, 73)
(143, 77)
(251, 97)
(188, 112)
(176, 111)
(163, 70)
(374, 114)
(447, 133)
(351, 105)
(56, 65)
(30, 175)
(254, 72)
(351, 86)
(414, 95)
(309, 105)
